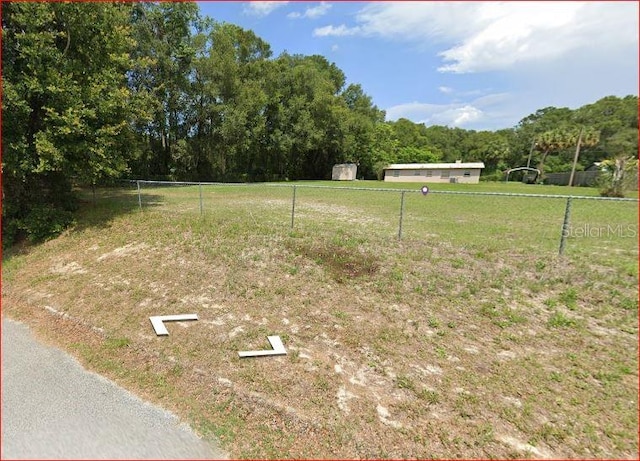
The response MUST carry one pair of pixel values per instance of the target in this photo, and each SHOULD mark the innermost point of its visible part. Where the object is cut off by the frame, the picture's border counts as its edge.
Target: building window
(396, 173)
(429, 173)
(467, 174)
(444, 174)
(416, 173)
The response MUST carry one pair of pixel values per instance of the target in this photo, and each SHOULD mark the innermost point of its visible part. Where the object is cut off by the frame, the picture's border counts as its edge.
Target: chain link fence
(527, 222)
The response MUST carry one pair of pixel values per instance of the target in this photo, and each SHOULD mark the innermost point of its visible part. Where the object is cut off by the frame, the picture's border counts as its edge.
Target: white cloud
(335, 47)
(454, 115)
(333, 31)
(445, 89)
(312, 12)
(480, 113)
(489, 36)
(262, 8)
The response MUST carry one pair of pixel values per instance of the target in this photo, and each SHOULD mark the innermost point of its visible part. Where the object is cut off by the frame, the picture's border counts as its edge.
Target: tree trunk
(541, 165)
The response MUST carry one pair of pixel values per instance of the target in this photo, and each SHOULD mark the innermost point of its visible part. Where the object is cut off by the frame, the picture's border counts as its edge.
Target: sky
(474, 65)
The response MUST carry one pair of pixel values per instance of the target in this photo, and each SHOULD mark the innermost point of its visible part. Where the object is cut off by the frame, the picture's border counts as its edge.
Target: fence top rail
(379, 189)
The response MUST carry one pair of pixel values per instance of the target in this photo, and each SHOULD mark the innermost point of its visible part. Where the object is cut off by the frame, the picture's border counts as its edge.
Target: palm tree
(588, 137)
(553, 141)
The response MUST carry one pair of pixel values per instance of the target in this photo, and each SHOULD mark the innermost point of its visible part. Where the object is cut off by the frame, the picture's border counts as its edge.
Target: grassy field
(467, 338)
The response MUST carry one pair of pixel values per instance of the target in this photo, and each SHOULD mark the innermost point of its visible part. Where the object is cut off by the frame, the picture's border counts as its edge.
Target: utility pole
(575, 158)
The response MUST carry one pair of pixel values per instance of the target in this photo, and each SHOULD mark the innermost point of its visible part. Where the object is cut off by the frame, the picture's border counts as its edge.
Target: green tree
(553, 141)
(409, 154)
(490, 147)
(384, 150)
(231, 73)
(448, 141)
(410, 134)
(65, 108)
(359, 119)
(621, 169)
(530, 128)
(160, 80)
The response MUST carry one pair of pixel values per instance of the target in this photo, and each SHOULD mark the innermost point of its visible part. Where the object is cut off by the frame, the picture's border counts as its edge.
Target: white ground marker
(276, 344)
(157, 321)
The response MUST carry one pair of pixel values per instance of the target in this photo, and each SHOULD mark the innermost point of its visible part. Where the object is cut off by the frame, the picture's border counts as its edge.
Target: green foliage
(65, 106)
(559, 320)
(556, 131)
(96, 91)
(620, 171)
(43, 222)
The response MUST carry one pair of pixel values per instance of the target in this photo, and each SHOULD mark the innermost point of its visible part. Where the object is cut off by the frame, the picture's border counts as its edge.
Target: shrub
(43, 223)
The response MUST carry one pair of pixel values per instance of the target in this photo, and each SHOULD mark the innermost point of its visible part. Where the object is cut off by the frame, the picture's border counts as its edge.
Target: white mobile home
(344, 172)
(434, 172)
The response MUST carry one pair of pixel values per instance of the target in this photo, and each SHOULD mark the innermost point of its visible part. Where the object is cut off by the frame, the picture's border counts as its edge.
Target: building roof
(435, 166)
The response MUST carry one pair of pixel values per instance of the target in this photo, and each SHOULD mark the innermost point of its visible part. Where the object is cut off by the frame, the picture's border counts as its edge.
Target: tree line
(97, 91)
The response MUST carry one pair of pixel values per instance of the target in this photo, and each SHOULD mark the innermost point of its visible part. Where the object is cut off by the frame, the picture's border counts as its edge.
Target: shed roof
(435, 166)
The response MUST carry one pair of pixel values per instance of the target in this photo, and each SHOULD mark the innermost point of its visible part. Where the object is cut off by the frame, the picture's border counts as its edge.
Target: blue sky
(474, 65)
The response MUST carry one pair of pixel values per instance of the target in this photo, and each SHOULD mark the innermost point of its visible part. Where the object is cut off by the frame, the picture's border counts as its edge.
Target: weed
(396, 274)
(342, 315)
(176, 370)
(405, 382)
(117, 343)
(509, 317)
(429, 396)
(466, 405)
(555, 376)
(607, 377)
(628, 303)
(458, 263)
(559, 320)
(549, 434)
(294, 355)
(569, 298)
(322, 383)
(433, 322)
(483, 434)
(489, 311)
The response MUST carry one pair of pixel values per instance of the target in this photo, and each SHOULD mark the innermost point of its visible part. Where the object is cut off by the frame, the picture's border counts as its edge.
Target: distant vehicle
(530, 177)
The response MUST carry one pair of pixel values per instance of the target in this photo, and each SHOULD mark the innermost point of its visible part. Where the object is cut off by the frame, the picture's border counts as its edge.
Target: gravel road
(52, 408)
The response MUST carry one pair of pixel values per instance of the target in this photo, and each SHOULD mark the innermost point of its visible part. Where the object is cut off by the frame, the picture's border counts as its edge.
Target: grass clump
(559, 320)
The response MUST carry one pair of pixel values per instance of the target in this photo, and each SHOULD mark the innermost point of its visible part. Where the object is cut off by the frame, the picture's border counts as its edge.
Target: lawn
(468, 337)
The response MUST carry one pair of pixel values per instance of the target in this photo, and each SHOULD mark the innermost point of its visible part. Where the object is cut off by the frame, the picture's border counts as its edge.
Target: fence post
(401, 215)
(200, 189)
(293, 206)
(565, 227)
(139, 196)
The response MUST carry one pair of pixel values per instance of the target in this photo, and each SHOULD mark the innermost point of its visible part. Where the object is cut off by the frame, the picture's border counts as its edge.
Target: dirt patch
(68, 268)
(342, 263)
(127, 250)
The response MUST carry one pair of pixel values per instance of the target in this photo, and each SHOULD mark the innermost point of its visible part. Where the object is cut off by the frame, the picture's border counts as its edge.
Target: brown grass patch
(343, 263)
